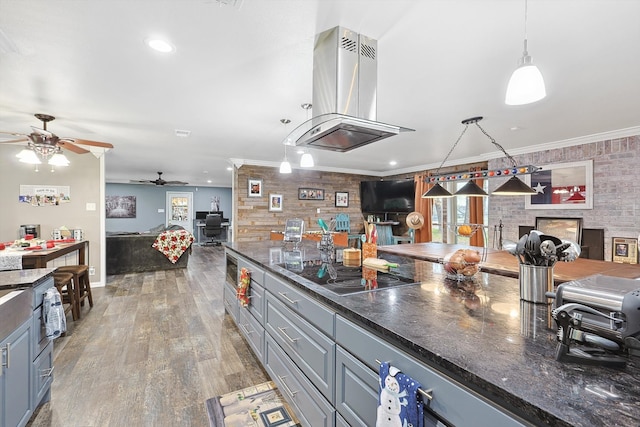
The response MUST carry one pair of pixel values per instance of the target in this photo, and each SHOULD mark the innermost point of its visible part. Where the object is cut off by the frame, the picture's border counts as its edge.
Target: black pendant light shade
(471, 189)
(513, 187)
(436, 191)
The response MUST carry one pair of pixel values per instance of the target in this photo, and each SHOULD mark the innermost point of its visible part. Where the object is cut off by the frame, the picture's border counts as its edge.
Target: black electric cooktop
(343, 280)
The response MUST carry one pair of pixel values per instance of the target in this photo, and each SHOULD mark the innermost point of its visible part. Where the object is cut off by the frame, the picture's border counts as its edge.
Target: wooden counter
(505, 264)
(339, 238)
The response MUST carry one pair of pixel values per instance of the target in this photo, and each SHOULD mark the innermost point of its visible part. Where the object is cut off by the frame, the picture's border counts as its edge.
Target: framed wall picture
(624, 250)
(255, 188)
(342, 199)
(310, 194)
(561, 186)
(120, 206)
(275, 202)
(562, 228)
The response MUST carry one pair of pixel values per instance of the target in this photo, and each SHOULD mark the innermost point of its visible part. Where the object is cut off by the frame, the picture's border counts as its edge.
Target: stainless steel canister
(534, 282)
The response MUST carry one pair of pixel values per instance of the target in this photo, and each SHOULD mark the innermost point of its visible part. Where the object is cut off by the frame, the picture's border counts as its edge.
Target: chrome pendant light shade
(513, 187)
(285, 166)
(471, 189)
(436, 191)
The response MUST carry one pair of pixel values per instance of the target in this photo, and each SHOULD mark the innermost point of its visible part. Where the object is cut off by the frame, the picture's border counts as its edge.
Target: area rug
(256, 406)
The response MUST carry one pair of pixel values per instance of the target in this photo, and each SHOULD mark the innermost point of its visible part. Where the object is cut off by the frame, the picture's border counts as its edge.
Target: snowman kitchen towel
(399, 402)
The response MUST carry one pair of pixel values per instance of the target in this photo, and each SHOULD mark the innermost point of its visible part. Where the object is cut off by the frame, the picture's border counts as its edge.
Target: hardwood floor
(151, 351)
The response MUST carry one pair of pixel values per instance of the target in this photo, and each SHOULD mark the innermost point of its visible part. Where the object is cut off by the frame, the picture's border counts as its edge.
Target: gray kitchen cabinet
(356, 390)
(452, 401)
(310, 406)
(230, 301)
(252, 331)
(42, 349)
(15, 378)
(311, 350)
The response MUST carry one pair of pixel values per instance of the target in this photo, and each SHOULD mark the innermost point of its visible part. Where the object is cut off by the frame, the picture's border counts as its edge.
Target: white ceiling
(237, 71)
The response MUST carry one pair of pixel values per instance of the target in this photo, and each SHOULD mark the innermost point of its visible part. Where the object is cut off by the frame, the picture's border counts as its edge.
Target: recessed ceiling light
(514, 128)
(208, 181)
(229, 168)
(160, 45)
(393, 163)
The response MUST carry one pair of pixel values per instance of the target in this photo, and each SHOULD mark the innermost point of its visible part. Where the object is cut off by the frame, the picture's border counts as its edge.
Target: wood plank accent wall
(252, 219)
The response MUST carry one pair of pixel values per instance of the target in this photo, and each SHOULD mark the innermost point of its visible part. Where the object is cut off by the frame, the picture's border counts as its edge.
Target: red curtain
(476, 216)
(423, 206)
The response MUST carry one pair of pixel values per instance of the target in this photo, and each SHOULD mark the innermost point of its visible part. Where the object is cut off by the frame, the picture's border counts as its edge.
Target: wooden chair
(64, 284)
(81, 284)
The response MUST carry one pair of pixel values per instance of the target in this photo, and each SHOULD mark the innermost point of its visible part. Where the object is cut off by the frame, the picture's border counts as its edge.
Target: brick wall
(616, 190)
(253, 221)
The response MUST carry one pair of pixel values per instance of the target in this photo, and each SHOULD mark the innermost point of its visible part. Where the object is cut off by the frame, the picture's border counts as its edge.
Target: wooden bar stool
(62, 281)
(81, 284)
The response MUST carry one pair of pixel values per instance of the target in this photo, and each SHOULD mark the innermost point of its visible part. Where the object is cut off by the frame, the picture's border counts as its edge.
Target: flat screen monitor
(201, 215)
(395, 196)
(217, 213)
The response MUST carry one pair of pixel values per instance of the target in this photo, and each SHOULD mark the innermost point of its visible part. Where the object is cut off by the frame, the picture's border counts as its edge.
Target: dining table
(40, 258)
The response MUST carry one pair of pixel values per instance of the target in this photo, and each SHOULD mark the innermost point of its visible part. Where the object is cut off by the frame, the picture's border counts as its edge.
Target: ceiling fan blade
(88, 142)
(14, 140)
(72, 147)
(175, 183)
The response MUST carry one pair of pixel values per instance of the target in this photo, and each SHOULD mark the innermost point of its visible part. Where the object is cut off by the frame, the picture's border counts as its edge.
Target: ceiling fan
(159, 181)
(46, 143)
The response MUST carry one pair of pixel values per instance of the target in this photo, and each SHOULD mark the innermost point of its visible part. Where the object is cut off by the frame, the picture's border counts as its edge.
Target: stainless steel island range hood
(345, 73)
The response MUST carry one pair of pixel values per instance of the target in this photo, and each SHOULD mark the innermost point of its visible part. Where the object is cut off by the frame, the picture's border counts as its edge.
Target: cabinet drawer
(230, 301)
(253, 332)
(451, 400)
(40, 289)
(43, 375)
(311, 309)
(257, 274)
(256, 302)
(309, 348)
(356, 390)
(310, 406)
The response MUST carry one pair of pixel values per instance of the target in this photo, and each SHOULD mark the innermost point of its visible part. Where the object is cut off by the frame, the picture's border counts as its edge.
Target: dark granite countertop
(481, 335)
(16, 279)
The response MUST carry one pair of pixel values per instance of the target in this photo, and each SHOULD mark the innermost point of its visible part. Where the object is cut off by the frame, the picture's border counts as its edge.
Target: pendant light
(285, 166)
(526, 84)
(306, 161)
(513, 186)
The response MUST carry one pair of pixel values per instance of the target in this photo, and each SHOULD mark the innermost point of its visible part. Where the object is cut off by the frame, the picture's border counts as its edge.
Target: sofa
(132, 252)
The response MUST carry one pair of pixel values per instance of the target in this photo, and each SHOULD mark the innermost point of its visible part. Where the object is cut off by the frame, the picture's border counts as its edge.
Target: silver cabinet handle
(283, 295)
(244, 329)
(291, 340)
(47, 372)
(7, 355)
(286, 387)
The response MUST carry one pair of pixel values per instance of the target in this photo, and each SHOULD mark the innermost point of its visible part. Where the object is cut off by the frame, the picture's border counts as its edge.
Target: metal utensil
(533, 247)
(520, 251)
(548, 252)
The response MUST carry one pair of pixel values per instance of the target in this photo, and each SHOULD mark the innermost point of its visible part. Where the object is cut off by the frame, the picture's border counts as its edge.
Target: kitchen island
(479, 337)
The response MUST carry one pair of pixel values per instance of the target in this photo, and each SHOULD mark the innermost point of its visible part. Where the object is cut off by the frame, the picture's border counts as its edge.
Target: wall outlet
(92, 271)
(160, 210)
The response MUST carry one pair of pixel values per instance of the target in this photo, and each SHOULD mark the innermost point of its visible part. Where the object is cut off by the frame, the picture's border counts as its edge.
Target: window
(449, 213)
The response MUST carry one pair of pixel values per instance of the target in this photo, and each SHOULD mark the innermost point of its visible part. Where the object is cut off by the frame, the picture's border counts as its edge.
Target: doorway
(180, 209)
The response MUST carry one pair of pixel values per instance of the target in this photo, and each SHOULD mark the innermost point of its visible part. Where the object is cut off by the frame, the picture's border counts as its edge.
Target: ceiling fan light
(58, 159)
(28, 156)
(160, 45)
(436, 191)
(514, 187)
(306, 161)
(285, 166)
(526, 84)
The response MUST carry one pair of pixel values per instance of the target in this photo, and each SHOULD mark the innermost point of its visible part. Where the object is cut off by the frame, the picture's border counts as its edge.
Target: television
(395, 196)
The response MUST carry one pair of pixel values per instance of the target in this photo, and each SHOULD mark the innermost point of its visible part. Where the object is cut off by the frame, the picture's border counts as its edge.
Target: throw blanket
(55, 321)
(10, 260)
(173, 243)
(399, 404)
(243, 287)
